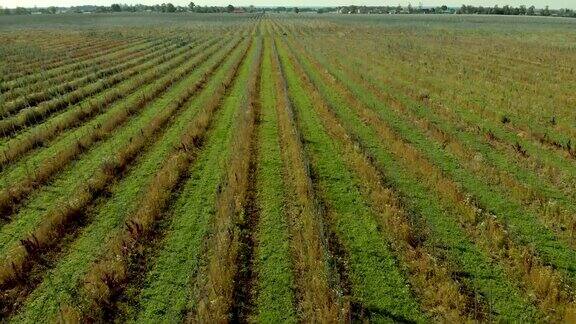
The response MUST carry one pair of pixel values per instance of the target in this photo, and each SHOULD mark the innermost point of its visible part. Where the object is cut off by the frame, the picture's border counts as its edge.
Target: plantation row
(277, 168)
(30, 71)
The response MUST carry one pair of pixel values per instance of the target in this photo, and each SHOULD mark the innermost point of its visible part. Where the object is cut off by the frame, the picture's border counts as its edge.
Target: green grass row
(504, 298)
(39, 76)
(275, 287)
(377, 283)
(117, 64)
(39, 113)
(77, 72)
(495, 159)
(543, 154)
(523, 224)
(50, 53)
(47, 53)
(80, 170)
(127, 86)
(61, 285)
(19, 170)
(167, 291)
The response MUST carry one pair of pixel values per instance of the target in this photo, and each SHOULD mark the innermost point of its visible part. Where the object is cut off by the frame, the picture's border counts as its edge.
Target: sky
(302, 3)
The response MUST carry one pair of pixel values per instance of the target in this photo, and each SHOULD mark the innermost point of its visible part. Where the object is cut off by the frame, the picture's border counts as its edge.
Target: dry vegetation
(288, 168)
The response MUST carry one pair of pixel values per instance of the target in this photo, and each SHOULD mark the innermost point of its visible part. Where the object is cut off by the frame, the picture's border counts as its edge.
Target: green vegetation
(275, 295)
(263, 167)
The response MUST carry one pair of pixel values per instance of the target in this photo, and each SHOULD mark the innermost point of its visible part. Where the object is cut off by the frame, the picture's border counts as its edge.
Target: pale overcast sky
(67, 3)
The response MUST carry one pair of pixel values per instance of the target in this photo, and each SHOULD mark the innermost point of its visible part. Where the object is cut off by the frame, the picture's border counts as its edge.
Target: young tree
(230, 8)
(21, 11)
(191, 6)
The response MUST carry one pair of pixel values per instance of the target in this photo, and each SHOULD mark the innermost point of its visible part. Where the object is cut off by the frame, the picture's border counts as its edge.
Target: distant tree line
(17, 11)
(496, 10)
(169, 7)
(388, 10)
(516, 11)
(192, 7)
(164, 7)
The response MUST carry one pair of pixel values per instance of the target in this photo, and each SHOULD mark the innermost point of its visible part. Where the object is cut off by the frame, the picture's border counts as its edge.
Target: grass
(61, 284)
(109, 273)
(115, 64)
(179, 258)
(497, 293)
(93, 135)
(313, 266)
(275, 291)
(42, 134)
(528, 229)
(77, 172)
(378, 285)
(287, 168)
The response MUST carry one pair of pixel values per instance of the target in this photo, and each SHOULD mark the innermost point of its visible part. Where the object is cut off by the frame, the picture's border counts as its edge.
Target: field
(287, 168)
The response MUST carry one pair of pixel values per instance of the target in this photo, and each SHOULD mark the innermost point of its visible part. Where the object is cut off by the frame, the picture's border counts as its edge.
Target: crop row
(521, 190)
(55, 222)
(120, 63)
(474, 98)
(34, 115)
(109, 274)
(217, 289)
(35, 93)
(75, 115)
(538, 281)
(276, 170)
(119, 204)
(44, 73)
(50, 54)
(17, 191)
(317, 294)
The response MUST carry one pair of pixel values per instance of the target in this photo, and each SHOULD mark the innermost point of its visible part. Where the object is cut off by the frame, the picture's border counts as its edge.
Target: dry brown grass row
(27, 72)
(12, 196)
(115, 64)
(433, 280)
(21, 258)
(542, 282)
(216, 289)
(317, 300)
(109, 275)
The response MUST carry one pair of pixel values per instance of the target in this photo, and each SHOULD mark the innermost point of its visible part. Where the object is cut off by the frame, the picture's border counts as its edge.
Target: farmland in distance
(287, 168)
